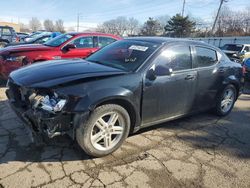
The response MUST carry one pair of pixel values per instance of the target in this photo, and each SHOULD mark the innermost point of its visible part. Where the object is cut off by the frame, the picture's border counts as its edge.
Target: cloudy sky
(96, 11)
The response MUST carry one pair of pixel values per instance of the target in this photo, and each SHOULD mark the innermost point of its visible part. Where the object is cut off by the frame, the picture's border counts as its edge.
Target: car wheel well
(39, 60)
(237, 88)
(125, 104)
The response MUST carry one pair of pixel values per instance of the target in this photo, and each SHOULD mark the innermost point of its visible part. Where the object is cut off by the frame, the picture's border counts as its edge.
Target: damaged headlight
(49, 103)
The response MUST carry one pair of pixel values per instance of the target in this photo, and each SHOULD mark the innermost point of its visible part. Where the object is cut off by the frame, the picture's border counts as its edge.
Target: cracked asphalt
(199, 151)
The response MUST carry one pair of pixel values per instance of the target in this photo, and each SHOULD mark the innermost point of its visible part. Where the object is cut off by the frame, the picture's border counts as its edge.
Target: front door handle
(190, 77)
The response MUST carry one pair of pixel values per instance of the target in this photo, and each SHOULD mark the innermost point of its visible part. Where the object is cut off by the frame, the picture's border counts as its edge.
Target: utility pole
(218, 13)
(78, 20)
(183, 8)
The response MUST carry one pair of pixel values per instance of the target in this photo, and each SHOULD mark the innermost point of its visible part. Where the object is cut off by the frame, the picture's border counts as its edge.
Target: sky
(95, 12)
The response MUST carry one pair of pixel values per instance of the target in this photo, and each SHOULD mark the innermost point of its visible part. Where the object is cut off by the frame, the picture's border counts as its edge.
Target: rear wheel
(105, 130)
(226, 100)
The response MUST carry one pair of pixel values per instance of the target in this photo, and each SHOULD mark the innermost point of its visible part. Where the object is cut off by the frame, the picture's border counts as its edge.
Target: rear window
(205, 57)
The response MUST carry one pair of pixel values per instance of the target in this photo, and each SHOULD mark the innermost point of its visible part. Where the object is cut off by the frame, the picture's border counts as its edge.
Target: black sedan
(128, 85)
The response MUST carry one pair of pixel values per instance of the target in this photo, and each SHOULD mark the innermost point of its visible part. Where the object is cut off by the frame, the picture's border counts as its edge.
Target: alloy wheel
(107, 131)
(227, 100)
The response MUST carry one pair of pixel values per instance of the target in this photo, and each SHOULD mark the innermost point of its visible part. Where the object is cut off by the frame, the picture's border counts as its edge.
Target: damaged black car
(130, 84)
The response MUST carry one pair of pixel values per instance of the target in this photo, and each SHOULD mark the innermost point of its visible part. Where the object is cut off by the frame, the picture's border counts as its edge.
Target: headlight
(51, 104)
(16, 59)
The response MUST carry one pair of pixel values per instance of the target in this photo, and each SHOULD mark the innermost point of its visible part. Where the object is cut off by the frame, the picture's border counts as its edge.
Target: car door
(84, 47)
(166, 97)
(209, 76)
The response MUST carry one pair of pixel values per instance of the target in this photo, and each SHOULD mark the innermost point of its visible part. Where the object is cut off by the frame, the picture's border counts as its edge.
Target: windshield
(38, 37)
(57, 41)
(232, 47)
(127, 55)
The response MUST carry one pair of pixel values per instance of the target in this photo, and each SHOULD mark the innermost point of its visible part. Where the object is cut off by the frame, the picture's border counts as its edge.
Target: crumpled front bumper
(40, 122)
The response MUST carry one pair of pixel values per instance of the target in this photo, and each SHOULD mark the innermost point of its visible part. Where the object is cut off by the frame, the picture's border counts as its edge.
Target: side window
(83, 42)
(176, 58)
(205, 57)
(247, 49)
(6, 31)
(104, 41)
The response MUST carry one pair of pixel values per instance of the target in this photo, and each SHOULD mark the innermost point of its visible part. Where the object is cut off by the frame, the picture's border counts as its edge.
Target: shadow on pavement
(230, 134)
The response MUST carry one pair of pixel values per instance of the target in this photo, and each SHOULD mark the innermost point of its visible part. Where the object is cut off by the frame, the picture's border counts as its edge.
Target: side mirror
(163, 71)
(153, 72)
(69, 46)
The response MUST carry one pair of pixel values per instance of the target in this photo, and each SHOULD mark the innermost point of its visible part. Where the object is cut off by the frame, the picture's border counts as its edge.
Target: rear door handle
(190, 77)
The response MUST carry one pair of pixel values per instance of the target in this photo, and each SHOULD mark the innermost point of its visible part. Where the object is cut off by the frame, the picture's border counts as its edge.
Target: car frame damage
(42, 110)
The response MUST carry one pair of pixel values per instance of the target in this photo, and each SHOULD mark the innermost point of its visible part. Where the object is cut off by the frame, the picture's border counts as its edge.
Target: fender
(92, 99)
(121, 96)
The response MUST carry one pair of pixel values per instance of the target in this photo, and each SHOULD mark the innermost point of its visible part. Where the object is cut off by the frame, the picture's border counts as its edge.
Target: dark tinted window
(127, 55)
(205, 56)
(176, 58)
(232, 47)
(104, 41)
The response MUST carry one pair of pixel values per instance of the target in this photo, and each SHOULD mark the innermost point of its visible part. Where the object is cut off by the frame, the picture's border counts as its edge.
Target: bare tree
(132, 26)
(35, 24)
(59, 26)
(48, 25)
(163, 20)
(120, 26)
(24, 27)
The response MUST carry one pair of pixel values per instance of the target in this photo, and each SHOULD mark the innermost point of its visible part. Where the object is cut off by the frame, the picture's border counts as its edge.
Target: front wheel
(105, 130)
(225, 101)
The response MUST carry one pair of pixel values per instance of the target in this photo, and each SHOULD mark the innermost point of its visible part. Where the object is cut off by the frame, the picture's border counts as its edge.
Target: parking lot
(198, 151)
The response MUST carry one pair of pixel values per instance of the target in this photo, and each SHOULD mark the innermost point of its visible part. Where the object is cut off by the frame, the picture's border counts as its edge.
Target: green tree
(151, 27)
(179, 26)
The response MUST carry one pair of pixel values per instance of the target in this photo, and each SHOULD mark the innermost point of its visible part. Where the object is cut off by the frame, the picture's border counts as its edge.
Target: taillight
(244, 71)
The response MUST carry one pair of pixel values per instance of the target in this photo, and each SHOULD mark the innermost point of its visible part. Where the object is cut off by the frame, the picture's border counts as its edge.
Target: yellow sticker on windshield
(139, 48)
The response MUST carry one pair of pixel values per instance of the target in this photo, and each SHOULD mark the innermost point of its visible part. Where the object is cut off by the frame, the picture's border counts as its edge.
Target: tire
(89, 132)
(3, 44)
(222, 97)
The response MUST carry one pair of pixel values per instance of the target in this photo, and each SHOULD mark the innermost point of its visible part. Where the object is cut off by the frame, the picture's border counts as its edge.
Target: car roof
(92, 33)
(165, 40)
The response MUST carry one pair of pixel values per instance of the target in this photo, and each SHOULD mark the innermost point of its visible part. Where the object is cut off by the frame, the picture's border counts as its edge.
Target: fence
(221, 41)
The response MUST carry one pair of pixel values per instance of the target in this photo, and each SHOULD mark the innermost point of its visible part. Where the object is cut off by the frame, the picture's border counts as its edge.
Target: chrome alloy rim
(227, 100)
(107, 131)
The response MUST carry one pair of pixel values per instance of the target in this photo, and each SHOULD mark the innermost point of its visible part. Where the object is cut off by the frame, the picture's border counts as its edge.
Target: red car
(70, 45)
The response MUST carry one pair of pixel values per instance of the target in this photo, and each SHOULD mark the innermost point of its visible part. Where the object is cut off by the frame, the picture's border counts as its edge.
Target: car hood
(58, 72)
(25, 48)
(230, 52)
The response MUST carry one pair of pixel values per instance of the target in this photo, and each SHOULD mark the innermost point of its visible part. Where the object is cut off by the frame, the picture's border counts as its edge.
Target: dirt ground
(198, 151)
